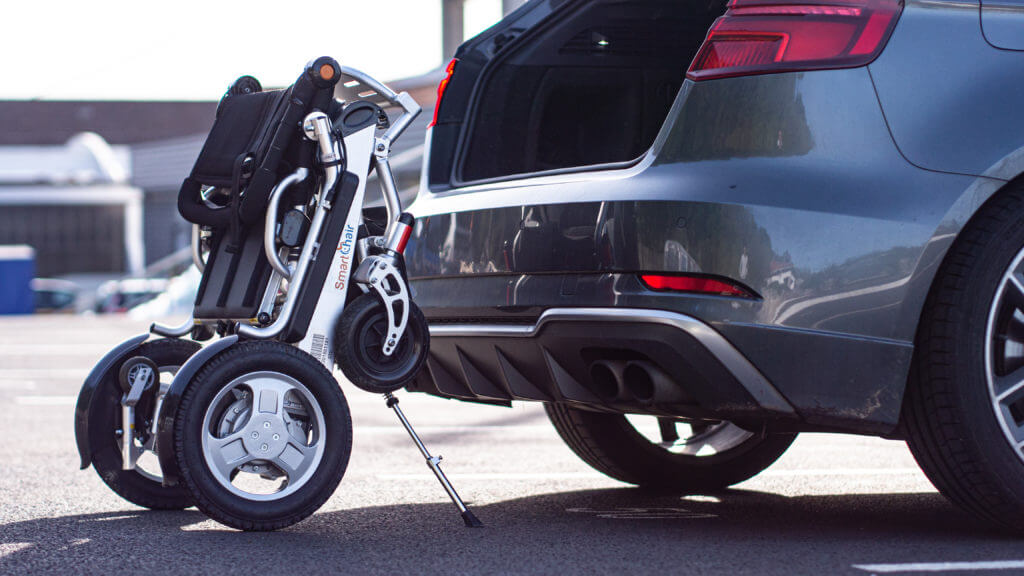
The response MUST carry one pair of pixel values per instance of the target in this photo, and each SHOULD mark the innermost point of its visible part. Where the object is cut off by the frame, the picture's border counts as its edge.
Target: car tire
(611, 444)
(135, 486)
(953, 420)
(317, 450)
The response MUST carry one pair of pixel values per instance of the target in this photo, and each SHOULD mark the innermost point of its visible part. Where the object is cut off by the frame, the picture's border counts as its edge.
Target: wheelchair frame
(381, 272)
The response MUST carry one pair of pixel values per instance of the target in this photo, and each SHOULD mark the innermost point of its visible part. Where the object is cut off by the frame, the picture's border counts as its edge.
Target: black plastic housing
(334, 226)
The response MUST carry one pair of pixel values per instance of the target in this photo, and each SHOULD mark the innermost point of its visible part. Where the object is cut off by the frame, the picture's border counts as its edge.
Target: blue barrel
(17, 267)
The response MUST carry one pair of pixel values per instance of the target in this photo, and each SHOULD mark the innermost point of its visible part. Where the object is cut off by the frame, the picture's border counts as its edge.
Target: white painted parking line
(942, 566)
(41, 373)
(46, 400)
(596, 475)
(501, 476)
(48, 350)
(469, 429)
(9, 548)
(843, 472)
(642, 513)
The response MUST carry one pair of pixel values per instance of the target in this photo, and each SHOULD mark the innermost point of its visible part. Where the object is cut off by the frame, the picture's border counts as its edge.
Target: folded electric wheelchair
(253, 428)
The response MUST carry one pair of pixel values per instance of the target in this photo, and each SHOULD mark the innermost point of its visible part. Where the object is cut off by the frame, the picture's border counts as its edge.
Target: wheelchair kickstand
(434, 462)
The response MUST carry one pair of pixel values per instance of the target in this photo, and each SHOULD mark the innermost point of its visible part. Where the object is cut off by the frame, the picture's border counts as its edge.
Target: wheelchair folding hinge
(382, 276)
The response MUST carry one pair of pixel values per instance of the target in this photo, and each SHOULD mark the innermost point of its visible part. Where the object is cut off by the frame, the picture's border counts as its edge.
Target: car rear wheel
(667, 453)
(964, 408)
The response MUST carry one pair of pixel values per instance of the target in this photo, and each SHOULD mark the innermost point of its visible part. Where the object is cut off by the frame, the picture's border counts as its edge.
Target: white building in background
(74, 204)
(93, 208)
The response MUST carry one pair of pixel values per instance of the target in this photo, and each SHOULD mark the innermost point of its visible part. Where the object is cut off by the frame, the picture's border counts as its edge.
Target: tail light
(764, 36)
(699, 284)
(441, 87)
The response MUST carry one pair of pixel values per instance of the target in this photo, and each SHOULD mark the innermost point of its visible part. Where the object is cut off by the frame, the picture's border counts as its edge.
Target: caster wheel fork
(434, 463)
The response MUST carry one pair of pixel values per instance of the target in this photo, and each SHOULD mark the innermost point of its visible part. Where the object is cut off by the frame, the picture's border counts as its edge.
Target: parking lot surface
(832, 505)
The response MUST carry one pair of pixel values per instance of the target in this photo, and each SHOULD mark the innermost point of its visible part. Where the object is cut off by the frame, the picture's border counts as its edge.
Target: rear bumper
(545, 344)
(687, 367)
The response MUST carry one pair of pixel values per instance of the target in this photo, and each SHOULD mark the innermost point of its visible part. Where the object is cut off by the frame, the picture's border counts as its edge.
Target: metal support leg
(141, 373)
(129, 454)
(434, 462)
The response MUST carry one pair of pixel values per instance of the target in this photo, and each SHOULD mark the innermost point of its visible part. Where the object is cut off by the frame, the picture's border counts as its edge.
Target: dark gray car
(818, 227)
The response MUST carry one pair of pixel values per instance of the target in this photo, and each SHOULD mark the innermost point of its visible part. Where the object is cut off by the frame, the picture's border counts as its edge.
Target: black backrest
(256, 139)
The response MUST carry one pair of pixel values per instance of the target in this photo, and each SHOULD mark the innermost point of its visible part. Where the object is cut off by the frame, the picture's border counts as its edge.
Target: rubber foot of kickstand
(471, 520)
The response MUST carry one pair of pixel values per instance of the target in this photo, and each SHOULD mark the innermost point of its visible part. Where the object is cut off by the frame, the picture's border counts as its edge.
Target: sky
(192, 50)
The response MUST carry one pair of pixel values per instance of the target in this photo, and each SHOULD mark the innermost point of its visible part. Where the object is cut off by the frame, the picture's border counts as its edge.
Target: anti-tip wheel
(359, 335)
(142, 486)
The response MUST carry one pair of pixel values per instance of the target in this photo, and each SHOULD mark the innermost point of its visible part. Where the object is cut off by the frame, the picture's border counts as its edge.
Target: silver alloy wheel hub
(690, 438)
(265, 423)
(1004, 354)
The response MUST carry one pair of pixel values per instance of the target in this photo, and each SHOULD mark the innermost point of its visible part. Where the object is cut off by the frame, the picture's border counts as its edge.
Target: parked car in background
(51, 295)
(177, 299)
(118, 296)
(742, 221)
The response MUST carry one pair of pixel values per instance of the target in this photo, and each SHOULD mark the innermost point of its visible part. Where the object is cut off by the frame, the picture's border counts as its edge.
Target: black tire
(360, 329)
(212, 497)
(132, 485)
(948, 414)
(125, 376)
(610, 444)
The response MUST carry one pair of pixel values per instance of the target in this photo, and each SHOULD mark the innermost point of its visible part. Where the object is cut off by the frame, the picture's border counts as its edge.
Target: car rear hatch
(570, 85)
(559, 85)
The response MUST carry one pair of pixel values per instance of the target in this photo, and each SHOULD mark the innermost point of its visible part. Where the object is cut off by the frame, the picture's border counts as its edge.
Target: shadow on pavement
(616, 530)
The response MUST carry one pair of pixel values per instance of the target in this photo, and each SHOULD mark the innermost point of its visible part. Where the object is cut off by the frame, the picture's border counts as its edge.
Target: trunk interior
(590, 85)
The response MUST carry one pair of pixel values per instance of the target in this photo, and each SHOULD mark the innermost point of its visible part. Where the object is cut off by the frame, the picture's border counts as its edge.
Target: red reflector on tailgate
(759, 37)
(700, 284)
(441, 87)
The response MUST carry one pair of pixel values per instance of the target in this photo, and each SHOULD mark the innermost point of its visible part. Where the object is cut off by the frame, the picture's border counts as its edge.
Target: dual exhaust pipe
(634, 381)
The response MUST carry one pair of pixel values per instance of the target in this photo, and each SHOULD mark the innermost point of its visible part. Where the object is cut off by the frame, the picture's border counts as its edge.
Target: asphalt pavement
(832, 505)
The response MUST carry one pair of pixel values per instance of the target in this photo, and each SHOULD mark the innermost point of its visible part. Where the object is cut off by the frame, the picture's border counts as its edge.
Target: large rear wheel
(262, 436)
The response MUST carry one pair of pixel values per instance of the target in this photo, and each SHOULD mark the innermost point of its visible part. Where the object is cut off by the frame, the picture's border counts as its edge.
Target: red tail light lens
(441, 87)
(759, 37)
(700, 284)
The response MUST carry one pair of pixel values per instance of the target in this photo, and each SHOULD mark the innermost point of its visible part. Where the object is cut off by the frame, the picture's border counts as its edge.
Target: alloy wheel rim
(268, 426)
(687, 437)
(1004, 355)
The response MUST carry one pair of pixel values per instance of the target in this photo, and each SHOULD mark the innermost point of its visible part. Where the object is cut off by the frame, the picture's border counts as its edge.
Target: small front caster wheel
(262, 436)
(359, 337)
(143, 485)
(137, 368)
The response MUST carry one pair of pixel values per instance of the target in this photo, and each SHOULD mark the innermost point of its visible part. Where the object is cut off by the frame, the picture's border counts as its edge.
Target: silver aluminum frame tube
(322, 131)
(382, 148)
(173, 331)
(197, 249)
(403, 100)
(270, 225)
(392, 203)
